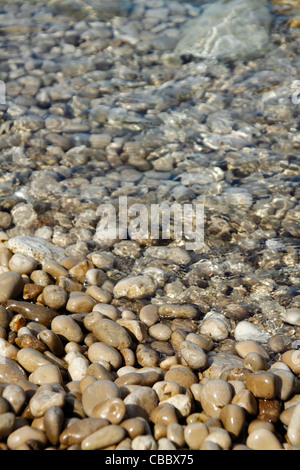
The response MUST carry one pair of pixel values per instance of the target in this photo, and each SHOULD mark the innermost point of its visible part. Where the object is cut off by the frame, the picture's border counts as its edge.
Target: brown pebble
(26, 433)
(263, 384)
(53, 422)
(263, 439)
(16, 397)
(109, 332)
(7, 422)
(246, 400)
(181, 375)
(164, 414)
(11, 285)
(104, 437)
(269, 410)
(29, 341)
(32, 312)
(113, 410)
(79, 302)
(98, 392)
(136, 426)
(195, 434)
(31, 291)
(233, 418)
(55, 297)
(76, 432)
(215, 394)
(292, 359)
(52, 341)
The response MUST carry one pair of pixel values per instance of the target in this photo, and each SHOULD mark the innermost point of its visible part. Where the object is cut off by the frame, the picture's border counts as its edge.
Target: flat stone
(76, 432)
(104, 437)
(35, 247)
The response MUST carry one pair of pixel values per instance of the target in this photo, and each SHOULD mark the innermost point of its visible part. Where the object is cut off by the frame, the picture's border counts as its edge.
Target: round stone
(98, 392)
(55, 297)
(263, 384)
(22, 264)
(215, 394)
(194, 356)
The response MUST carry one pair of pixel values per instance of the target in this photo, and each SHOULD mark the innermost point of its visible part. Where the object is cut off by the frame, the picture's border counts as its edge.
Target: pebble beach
(138, 343)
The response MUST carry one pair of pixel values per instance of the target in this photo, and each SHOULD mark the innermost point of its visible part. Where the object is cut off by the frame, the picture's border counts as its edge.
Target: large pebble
(178, 311)
(31, 359)
(53, 423)
(76, 432)
(233, 418)
(55, 297)
(101, 351)
(67, 328)
(135, 287)
(181, 375)
(20, 436)
(11, 373)
(141, 402)
(7, 422)
(16, 397)
(263, 439)
(246, 331)
(194, 356)
(22, 264)
(215, 394)
(45, 397)
(263, 385)
(104, 437)
(32, 312)
(35, 247)
(292, 359)
(98, 392)
(46, 374)
(11, 285)
(144, 443)
(109, 332)
(113, 410)
(79, 302)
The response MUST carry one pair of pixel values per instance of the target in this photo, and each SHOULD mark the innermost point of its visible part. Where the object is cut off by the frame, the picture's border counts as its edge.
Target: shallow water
(98, 106)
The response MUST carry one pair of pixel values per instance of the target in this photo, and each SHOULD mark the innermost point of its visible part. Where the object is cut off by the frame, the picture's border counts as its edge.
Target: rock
(44, 398)
(26, 433)
(11, 285)
(215, 394)
(66, 327)
(7, 422)
(109, 332)
(104, 437)
(76, 432)
(98, 392)
(32, 312)
(219, 34)
(12, 374)
(34, 247)
(263, 439)
(141, 402)
(246, 331)
(263, 385)
(194, 356)
(22, 264)
(178, 311)
(134, 287)
(55, 297)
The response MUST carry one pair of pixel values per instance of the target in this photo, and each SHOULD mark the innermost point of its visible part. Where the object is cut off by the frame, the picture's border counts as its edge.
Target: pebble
(32, 312)
(53, 423)
(46, 374)
(22, 435)
(215, 394)
(263, 439)
(293, 431)
(16, 397)
(98, 392)
(141, 402)
(134, 287)
(195, 434)
(194, 356)
(144, 443)
(109, 332)
(77, 431)
(181, 376)
(263, 385)
(177, 311)
(22, 264)
(246, 331)
(55, 297)
(79, 302)
(101, 351)
(104, 437)
(11, 286)
(34, 247)
(46, 396)
(233, 418)
(113, 410)
(67, 328)
(7, 422)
